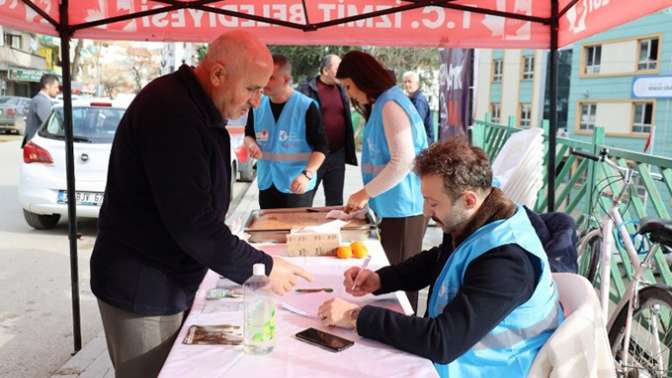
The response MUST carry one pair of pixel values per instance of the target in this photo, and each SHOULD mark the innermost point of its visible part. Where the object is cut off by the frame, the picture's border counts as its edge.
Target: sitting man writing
(492, 300)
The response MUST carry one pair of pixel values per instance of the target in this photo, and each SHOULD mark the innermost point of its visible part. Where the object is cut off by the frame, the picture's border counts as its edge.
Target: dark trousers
(401, 239)
(272, 198)
(138, 345)
(332, 175)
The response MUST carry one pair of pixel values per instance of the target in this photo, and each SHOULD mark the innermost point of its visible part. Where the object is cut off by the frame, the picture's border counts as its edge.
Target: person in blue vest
(492, 300)
(393, 135)
(286, 136)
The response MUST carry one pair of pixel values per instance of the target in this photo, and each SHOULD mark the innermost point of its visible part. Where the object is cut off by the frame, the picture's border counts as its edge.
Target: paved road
(35, 305)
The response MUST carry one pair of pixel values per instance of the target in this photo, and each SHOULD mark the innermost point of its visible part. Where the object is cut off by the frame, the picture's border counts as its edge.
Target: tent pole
(65, 34)
(553, 94)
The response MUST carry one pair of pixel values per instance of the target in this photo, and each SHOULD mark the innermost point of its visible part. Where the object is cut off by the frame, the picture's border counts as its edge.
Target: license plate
(82, 198)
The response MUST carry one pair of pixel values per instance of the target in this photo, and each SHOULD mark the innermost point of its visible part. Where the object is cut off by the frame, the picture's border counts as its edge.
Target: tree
(200, 52)
(306, 59)
(401, 60)
(76, 67)
(142, 65)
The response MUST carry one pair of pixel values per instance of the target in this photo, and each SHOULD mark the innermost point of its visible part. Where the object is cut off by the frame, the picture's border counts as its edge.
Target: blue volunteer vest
(285, 151)
(511, 347)
(404, 199)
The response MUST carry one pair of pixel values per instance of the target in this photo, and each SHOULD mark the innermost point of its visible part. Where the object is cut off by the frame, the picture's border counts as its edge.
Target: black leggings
(401, 239)
(272, 198)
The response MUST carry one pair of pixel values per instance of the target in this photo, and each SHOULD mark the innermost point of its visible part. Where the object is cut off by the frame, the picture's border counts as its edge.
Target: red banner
(422, 27)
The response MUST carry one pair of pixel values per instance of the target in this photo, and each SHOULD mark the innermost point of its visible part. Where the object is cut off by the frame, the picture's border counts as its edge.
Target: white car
(42, 183)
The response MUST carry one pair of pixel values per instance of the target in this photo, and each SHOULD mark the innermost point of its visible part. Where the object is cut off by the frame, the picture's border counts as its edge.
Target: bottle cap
(259, 269)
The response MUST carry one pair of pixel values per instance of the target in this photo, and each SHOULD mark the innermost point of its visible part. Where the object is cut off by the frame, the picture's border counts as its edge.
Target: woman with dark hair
(393, 135)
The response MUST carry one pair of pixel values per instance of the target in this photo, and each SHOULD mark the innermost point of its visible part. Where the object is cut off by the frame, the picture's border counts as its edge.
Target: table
(291, 357)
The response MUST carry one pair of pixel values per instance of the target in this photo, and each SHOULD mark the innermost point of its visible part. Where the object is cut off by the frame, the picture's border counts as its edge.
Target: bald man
(419, 100)
(161, 225)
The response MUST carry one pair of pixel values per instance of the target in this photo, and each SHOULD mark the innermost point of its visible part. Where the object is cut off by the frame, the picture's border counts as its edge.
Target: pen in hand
(364, 265)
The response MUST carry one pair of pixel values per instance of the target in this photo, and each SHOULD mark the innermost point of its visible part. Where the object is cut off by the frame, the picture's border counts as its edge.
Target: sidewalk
(94, 362)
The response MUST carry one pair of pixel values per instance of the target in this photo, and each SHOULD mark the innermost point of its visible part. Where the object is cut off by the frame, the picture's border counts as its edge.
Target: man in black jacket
(335, 110)
(161, 225)
(489, 286)
(419, 100)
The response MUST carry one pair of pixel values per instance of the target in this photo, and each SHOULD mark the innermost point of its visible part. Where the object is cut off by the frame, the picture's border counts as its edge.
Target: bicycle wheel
(590, 259)
(645, 358)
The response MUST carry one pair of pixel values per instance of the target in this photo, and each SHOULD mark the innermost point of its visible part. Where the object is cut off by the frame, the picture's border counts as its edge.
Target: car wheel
(41, 221)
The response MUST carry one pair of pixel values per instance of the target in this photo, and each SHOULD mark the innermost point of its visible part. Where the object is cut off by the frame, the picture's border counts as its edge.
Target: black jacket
(557, 232)
(162, 220)
(309, 88)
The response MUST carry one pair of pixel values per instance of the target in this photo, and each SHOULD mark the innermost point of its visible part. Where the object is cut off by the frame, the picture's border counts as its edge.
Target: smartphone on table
(324, 340)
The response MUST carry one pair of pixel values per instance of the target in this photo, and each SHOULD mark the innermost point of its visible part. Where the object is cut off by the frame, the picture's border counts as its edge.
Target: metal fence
(583, 189)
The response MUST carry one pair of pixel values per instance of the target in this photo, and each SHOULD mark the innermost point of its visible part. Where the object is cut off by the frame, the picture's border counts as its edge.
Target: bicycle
(639, 328)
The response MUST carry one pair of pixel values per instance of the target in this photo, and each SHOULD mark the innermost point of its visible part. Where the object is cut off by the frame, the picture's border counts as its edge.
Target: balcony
(10, 57)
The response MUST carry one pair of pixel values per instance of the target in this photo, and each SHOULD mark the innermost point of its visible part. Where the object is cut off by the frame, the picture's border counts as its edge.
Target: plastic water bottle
(259, 322)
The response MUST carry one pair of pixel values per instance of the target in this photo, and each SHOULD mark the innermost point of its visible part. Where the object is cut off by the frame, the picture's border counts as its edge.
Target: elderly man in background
(419, 100)
(336, 118)
(161, 225)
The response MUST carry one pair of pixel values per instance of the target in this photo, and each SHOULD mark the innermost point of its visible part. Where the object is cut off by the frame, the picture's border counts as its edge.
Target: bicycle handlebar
(586, 155)
(604, 157)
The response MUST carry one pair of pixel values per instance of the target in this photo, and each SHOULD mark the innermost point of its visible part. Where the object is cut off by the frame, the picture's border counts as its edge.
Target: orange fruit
(359, 249)
(344, 252)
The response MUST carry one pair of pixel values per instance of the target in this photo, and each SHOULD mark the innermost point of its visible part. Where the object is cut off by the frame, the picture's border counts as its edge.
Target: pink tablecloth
(291, 357)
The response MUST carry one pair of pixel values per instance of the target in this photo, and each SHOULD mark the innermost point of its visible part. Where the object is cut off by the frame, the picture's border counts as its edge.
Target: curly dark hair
(368, 74)
(460, 165)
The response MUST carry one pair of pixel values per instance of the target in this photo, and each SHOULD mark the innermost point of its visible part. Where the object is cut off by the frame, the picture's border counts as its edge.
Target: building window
(587, 120)
(643, 121)
(13, 40)
(525, 114)
(495, 112)
(528, 67)
(497, 69)
(593, 59)
(648, 54)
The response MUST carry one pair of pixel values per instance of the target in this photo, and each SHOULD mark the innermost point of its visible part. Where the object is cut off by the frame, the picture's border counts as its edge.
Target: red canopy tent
(414, 23)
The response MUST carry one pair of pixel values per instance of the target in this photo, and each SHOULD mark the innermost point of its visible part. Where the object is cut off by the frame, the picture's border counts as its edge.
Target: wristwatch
(308, 174)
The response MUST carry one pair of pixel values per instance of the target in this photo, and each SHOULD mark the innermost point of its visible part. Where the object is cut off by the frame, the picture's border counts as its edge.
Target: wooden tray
(272, 225)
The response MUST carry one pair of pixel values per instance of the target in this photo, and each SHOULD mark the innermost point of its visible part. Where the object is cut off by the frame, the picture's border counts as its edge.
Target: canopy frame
(66, 32)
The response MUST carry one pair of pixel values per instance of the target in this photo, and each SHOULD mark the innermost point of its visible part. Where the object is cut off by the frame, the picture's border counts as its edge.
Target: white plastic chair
(580, 346)
(519, 166)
